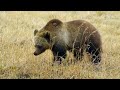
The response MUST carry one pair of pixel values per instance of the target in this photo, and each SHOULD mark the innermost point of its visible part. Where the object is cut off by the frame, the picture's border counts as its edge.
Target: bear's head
(43, 38)
(42, 41)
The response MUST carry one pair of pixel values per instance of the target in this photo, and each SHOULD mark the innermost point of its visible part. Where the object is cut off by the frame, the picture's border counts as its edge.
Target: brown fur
(76, 36)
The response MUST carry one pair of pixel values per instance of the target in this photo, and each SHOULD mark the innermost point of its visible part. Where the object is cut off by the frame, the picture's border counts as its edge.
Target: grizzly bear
(75, 36)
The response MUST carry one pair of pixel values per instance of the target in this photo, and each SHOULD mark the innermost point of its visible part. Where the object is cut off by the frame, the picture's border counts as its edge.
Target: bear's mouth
(39, 51)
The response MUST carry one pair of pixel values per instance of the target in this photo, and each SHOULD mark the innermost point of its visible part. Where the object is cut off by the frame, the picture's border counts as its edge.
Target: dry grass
(17, 47)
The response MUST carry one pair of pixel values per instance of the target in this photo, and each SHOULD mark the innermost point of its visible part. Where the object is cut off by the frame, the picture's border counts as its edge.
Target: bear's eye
(38, 46)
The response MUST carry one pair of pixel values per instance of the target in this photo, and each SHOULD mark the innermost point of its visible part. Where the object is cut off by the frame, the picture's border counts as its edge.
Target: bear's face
(42, 42)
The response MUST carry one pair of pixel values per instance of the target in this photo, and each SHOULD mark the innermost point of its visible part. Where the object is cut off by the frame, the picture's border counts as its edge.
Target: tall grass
(17, 47)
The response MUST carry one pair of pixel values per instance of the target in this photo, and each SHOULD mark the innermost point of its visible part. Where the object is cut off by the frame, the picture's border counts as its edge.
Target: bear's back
(78, 30)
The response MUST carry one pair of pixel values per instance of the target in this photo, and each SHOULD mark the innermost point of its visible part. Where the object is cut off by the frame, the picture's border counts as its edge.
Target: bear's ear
(47, 36)
(35, 32)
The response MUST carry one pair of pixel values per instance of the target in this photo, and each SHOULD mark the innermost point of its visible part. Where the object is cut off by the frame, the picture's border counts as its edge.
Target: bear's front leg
(59, 51)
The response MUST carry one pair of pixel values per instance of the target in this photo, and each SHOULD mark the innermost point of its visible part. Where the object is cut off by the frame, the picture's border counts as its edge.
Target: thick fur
(76, 36)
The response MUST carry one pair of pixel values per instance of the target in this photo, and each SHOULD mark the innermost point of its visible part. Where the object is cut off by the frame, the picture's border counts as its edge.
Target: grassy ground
(17, 47)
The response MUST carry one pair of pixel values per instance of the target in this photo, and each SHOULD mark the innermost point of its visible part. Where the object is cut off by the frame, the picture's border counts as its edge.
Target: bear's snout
(35, 54)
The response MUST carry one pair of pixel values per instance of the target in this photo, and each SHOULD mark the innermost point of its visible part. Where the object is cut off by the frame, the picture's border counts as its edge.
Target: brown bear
(75, 36)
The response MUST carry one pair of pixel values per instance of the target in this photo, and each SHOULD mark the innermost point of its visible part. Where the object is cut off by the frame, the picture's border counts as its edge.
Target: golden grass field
(16, 46)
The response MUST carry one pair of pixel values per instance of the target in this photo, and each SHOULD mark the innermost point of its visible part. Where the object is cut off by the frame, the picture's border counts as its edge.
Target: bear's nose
(35, 54)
